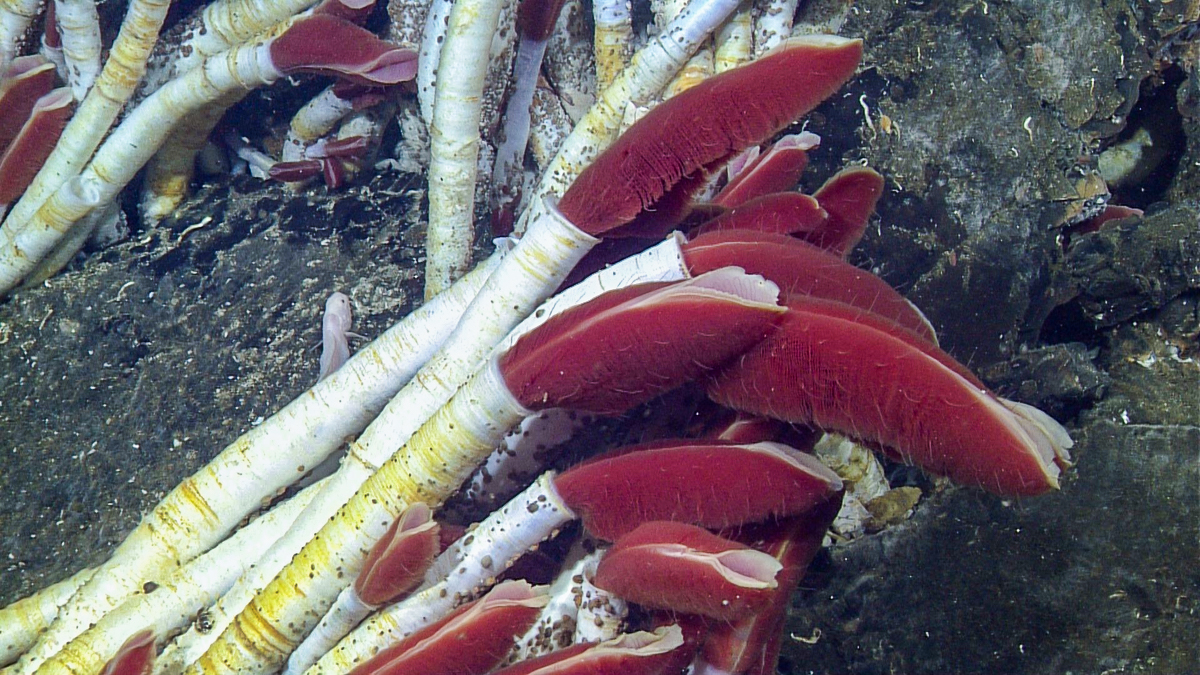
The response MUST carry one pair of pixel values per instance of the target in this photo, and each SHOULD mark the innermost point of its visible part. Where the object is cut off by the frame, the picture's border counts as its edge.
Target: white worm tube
(22, 621)
(334, 410)
(735, 41)
(614, 39)
(430, 57)
(554, 628)
(454, 141)
(174, 603)
(523, 454)
(648, 72)
(550, 127)
(601, 614)
(79, 25)
(315, 119)
(169, 172)
(15, 18)
(774, 24)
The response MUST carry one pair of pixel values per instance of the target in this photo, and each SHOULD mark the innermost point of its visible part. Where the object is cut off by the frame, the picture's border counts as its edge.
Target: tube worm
(454, 141)
(394, 567)
(79, 27)
(535, 21)
(471, 641)
(802, 269)
(442, 375)
(679, 480)
(614, 494)
(776, 170)
(726, 312)
(908, 396)
(95, 115)
(648, 72)
(176, 598)
(632, 654)
(219, 27)
(315, 44)
(708, 123)
(206, 506)
(687, 569)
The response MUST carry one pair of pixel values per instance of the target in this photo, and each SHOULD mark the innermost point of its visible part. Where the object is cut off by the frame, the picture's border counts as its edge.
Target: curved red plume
(750, 645)
(776, 170)
(397, 562)
(23, 158)
(849, 197)
(777, 213)
(684, 568)
(852, 372)
(327, 45)
(536, 18)
(801, 269)
(708, 483)
(706, 124)
(629, 345)
(27, 79)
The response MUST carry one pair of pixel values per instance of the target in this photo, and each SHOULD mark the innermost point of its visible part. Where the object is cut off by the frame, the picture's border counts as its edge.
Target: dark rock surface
(1102, 576)
(136, 366)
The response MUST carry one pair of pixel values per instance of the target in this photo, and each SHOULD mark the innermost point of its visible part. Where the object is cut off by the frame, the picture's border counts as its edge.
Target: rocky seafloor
(135, 366)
